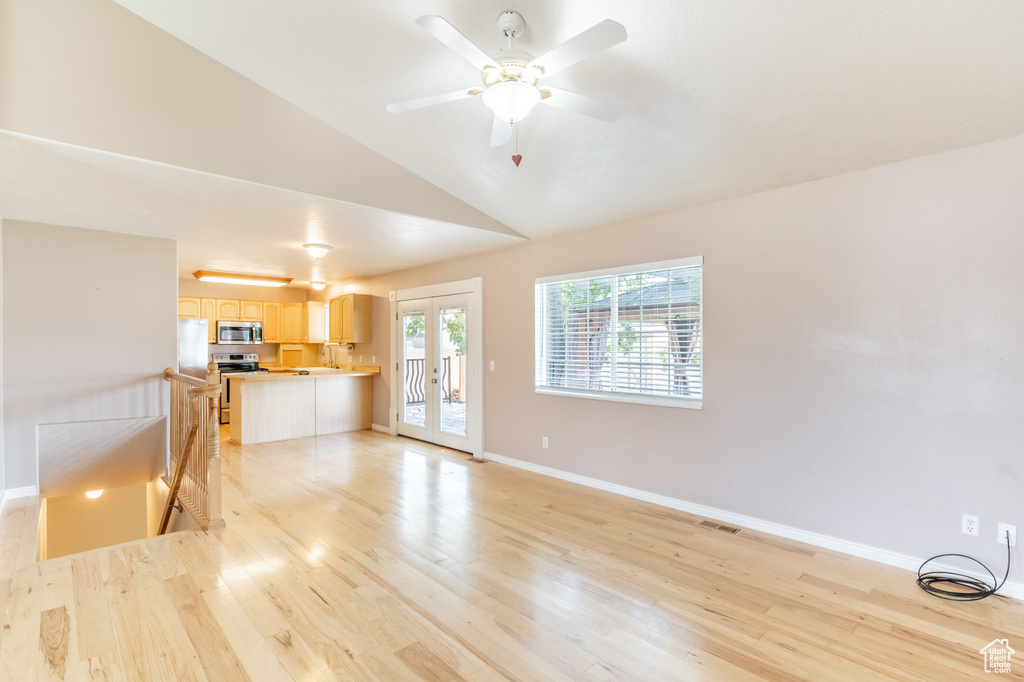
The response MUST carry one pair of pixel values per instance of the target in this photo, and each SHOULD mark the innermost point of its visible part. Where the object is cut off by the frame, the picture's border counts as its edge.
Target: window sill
(635, 398)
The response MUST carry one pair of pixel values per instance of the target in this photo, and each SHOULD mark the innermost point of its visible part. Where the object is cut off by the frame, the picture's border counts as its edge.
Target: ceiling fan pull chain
(517, 157)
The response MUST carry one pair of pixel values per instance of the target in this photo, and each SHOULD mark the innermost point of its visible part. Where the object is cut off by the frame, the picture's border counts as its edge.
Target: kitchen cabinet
(350, 319)
(302, 322)
(271, 322)
(189, 307)
(208, 308)
(192, 307)
(249, 311)
(313, 330)
(291, 323)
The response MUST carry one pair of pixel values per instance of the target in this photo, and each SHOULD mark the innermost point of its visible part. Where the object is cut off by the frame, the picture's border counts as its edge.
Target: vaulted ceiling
(244, 127)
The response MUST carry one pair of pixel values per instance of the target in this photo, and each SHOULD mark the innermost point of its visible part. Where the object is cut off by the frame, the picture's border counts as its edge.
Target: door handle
(433, 381)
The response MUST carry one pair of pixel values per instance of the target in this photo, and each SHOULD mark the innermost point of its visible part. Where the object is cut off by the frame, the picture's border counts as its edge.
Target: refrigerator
(192, 352)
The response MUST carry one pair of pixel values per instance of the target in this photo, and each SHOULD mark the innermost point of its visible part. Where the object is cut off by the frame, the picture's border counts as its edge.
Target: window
(630, 334)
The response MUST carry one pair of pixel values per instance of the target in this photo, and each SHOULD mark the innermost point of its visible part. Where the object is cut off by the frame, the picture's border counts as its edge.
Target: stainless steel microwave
(236, 332)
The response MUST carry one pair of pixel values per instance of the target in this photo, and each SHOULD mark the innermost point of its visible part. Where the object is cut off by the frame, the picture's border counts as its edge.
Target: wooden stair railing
(182, 465)
(195, 447)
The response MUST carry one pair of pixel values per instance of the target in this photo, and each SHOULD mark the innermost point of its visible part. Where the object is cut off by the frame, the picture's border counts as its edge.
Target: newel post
(213, 481)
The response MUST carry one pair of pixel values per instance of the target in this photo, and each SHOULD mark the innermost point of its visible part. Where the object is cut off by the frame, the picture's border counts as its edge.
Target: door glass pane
(414, 399)
(453, 384)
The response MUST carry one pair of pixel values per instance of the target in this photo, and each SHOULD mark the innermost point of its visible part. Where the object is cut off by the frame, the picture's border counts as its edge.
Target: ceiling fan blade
(595, 39)
(581, 104)
(447, 34)
(501, 132)
(410, 104)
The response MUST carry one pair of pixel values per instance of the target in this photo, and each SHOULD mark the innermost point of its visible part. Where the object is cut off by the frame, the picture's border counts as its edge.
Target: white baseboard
(27, 491)
(882, 556)
(381, 429)
(3, 499)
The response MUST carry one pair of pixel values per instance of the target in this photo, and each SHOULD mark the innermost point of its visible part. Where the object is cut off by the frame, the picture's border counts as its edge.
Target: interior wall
(3, 473)
(864, 355)
(89, 325)
(75, 523)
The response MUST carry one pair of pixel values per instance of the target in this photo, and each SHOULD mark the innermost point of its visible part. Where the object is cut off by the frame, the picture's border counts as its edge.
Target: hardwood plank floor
(364, 557)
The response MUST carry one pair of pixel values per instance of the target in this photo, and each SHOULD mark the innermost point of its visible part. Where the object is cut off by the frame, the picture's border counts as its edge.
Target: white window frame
(611, 394)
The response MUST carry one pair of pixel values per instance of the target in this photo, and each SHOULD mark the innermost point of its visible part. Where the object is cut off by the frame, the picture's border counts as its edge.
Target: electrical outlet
(969, 525)
(1005, 528)
(544, 442)
(492, 365)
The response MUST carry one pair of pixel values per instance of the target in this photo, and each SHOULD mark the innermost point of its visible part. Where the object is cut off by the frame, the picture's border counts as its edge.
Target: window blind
(628, 333)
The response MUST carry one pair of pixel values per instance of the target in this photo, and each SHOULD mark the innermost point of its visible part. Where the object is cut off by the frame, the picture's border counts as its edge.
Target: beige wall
(864, 355)
(75, 523)
(89, 326)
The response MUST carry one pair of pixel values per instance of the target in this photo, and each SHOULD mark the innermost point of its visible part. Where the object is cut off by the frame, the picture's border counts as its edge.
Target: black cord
(972, 589)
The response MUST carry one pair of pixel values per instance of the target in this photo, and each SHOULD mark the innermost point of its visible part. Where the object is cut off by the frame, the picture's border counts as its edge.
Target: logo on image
(997, 656)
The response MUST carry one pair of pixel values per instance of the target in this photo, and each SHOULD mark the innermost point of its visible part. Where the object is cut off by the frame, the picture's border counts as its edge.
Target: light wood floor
(365, 557)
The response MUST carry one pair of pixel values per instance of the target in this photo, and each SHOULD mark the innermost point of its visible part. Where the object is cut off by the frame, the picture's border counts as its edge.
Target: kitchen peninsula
(286, 404)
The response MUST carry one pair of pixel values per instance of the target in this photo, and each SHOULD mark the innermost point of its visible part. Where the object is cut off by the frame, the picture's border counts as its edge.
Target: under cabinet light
(236, 278)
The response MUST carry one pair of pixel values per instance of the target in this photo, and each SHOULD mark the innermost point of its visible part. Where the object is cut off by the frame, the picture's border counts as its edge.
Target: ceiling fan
(510, 79)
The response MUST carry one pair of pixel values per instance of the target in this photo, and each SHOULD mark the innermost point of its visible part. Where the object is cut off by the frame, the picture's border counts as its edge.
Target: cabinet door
(291, 323)
(314, 319)
(189, 307)
(334, 332)
(209, 308)
(251, 311)
(348, 311)
(356, 318)
(271, 322)
(228, 310)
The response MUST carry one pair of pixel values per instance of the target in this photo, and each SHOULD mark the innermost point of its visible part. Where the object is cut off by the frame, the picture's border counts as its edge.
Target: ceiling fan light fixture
(511, 100)
(317, 250)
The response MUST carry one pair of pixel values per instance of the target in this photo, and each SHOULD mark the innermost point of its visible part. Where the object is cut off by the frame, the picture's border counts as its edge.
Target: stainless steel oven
(234, 365)
(238, 332)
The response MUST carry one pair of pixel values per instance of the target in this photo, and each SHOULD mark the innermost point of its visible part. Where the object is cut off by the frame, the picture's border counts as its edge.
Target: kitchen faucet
(329, 354)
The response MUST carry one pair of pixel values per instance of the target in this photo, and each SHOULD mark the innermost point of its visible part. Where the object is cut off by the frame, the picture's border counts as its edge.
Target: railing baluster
(195, 400)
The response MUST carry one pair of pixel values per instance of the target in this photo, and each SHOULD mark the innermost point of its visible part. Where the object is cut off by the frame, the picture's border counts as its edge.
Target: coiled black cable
(972, 589)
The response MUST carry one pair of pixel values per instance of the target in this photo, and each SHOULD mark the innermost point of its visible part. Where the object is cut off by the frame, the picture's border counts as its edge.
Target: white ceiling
(723, 98)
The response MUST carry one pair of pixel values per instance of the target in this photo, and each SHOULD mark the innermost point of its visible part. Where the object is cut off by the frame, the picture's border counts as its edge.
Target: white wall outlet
(969, 525)
(492, 365)
(544, 442)
(1005, 528)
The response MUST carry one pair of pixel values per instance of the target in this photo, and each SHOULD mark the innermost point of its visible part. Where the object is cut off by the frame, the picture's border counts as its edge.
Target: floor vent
(719, 526)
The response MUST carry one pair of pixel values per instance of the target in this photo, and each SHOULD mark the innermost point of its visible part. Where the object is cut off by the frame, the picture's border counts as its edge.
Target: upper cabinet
(209, 311)
(189, 307)
(192, 307)
(350, 319)
(302, 322)
(271, 322)
(250, 311)
(291, 323)
(282, 322)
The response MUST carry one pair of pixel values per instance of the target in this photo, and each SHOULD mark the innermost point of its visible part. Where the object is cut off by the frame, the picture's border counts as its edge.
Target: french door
(438, 371)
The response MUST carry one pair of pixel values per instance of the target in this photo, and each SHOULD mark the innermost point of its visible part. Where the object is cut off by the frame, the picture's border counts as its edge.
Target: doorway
(437, 378)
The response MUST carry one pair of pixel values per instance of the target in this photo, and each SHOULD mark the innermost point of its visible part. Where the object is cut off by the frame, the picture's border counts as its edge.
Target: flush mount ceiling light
(93, 494)
(317, 250)
(237, 278)
(318, 285)
(511, 77)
